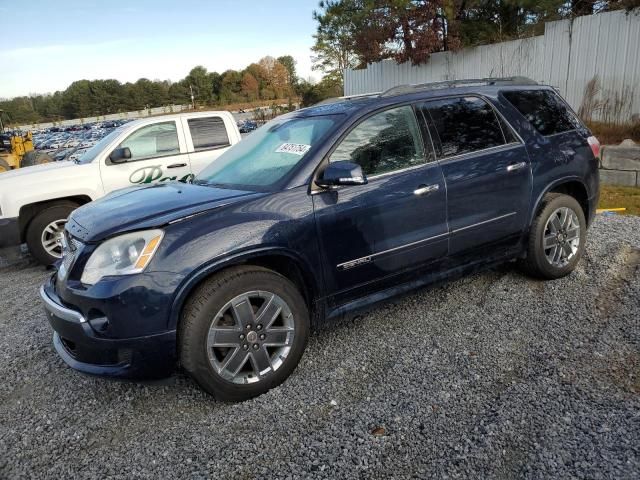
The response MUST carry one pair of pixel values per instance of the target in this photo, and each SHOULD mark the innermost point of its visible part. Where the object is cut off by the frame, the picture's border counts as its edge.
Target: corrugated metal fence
(597, 53)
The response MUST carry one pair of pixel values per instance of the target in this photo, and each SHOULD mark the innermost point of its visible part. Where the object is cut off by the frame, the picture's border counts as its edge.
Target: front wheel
(243, 332)
(557, 237)
(44, 233)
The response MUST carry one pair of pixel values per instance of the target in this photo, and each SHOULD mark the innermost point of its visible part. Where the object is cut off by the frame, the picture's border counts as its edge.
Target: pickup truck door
(158, 153)
(207, 138)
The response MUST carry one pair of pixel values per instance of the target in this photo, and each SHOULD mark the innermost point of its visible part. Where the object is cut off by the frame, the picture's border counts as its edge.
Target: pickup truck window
(157, 140)
(208, 133)
(268, 154)
(465, 125)
(384, 142)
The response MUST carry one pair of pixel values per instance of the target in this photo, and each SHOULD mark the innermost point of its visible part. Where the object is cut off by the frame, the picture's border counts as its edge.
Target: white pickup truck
(36, 201)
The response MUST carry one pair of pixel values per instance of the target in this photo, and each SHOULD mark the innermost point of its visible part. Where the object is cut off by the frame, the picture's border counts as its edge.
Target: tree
(250, 87)
(334, 48)
(290, 64)
(201, 84)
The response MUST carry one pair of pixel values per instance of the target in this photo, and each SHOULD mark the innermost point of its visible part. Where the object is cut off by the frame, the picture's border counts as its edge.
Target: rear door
(158, 153)
(395, 223)
(207, 139)
(486, 169)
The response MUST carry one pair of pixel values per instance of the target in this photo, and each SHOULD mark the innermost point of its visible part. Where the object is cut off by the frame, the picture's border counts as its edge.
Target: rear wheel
(4, 166)
(557, 238)
(243, 332)
(45, 231)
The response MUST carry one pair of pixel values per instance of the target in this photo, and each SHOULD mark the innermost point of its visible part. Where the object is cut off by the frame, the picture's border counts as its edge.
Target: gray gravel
(491, 376)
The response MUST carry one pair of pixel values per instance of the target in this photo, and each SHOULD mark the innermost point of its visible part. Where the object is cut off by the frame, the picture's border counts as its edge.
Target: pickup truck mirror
(120, 155)
(341, 173)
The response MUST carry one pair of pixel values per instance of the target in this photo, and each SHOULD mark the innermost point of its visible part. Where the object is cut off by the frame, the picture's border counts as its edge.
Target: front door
(396, 222)
(158, 153)
(486, 169)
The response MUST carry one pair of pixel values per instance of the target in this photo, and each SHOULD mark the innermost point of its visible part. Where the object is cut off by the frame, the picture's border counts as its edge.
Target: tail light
(595, 146)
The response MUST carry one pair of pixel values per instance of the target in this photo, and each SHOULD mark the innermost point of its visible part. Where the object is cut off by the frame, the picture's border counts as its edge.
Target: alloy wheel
(51, 238)
(250, 337)
(561, 237)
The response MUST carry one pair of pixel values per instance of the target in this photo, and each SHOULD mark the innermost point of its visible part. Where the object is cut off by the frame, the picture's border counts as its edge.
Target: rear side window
(544, 110)
(208, 133)
(465, 125)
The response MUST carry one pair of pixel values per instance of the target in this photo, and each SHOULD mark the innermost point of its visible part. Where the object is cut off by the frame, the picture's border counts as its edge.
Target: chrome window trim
(499, 148)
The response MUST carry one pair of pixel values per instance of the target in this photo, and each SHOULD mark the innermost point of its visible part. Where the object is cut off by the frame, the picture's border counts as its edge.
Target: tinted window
(384, 142)
(156, 140)
(544, 110)
(208, 133)
(464, 125)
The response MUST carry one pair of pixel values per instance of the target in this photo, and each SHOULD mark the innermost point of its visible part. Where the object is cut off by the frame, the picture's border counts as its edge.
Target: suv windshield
(90, 155)
(268, 154)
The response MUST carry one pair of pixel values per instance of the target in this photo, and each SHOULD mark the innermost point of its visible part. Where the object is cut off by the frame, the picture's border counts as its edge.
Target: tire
(34, 158)
(4, 166)
(200, 350)
(54, 214)
(563, 241)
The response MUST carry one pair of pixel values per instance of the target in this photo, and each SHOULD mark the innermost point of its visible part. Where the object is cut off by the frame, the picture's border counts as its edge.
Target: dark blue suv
(316, 214)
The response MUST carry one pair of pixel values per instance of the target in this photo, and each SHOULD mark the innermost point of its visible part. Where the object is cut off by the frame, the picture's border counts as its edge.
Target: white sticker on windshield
(295, 148)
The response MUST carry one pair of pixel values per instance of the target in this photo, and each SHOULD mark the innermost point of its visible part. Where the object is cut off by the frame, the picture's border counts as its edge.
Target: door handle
(516, 166)
(424, 189)
(177, 165)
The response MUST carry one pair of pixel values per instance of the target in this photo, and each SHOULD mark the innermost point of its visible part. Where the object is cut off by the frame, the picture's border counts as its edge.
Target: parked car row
(70, 143)
(318, 213)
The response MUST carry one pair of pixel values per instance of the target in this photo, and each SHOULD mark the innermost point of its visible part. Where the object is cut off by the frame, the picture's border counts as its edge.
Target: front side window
(268, 154)
(158, 140)
(464, 125)
(208, 133)
(384, 142)
(544, 110)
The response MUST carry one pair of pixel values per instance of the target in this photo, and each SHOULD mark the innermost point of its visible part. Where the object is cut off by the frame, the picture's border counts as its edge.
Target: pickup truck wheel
(243, 332)
(556, 239)
(45, 231)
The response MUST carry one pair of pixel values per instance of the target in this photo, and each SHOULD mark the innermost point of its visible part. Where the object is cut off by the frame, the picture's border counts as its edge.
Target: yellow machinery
(16, 150)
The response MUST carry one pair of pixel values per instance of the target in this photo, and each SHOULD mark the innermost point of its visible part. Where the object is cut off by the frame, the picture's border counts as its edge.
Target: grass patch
(620, 197)
(611, 134)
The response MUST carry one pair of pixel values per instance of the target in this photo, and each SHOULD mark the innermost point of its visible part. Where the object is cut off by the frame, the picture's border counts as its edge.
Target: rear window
(208, 133)
(544, 110)
(465, 125)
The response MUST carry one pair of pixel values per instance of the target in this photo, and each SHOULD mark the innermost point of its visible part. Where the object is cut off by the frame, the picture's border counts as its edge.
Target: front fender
(191, 281)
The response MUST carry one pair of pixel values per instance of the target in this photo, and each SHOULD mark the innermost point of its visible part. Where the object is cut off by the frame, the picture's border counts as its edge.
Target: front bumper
(9, 232)
(83, 348)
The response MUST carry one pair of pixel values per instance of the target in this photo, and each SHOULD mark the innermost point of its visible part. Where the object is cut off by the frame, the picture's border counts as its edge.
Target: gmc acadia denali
(318, 213)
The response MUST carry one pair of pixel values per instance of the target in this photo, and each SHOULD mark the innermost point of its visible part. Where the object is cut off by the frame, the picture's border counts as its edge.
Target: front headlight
(123, 255)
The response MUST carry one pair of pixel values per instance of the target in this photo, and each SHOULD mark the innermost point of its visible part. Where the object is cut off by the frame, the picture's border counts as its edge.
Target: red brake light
(595, 146)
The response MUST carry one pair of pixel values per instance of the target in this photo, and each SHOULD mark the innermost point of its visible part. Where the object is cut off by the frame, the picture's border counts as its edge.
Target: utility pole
(193, 103)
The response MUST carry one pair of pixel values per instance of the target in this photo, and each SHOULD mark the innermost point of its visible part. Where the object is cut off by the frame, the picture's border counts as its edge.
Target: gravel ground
(491, 376)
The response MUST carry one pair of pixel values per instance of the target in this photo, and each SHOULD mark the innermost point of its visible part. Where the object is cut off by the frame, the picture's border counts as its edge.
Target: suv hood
(136, 208)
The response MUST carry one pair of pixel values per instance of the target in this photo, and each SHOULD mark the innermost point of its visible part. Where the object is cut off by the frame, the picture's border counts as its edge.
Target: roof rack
(419, 87)
(347, 97)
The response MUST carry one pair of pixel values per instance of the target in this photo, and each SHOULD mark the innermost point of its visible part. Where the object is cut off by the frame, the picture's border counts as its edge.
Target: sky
(45, 45)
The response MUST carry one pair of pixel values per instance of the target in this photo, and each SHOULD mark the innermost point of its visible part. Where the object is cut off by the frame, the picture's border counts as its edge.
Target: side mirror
(342, 173)
(120, 155)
